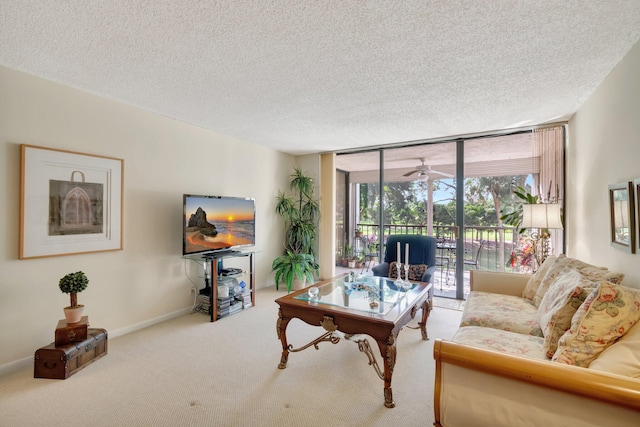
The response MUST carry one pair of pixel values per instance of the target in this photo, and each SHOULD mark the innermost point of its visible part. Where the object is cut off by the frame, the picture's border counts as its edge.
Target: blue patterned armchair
(422, 250)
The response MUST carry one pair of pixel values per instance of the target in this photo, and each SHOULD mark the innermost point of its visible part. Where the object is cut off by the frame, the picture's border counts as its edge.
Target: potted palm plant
(72, 284)
(300, 211)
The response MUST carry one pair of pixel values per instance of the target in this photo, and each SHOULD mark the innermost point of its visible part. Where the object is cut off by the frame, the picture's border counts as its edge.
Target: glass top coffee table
(353, 309)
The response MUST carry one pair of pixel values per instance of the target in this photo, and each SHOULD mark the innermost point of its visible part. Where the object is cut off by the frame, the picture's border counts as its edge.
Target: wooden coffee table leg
(388, 353)
(281, 329)
(426, 310)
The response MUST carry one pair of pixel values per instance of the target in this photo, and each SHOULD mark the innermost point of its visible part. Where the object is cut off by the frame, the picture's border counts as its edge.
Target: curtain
(549, 148)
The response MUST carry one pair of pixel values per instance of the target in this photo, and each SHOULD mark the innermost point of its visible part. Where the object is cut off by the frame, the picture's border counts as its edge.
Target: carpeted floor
(453, 304)
(190, 372)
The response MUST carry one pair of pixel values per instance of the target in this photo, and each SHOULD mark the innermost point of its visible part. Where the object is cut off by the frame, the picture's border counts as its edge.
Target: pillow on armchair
(415, 271)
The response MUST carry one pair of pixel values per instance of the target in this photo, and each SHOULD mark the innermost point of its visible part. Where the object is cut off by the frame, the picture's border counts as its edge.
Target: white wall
(163, 158)
(604, 148)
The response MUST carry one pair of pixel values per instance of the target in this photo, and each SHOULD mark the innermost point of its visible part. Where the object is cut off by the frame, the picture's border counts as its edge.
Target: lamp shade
(542, 215)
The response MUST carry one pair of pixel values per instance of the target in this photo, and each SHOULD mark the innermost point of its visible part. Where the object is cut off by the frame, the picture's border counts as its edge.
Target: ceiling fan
(425, 170)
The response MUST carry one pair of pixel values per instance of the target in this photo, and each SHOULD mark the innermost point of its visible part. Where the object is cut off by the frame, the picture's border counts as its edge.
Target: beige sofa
(501, 370)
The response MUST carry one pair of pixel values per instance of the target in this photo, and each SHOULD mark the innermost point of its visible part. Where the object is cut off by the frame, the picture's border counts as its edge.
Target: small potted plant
(72, 284)
(351, 261)
(346, 255)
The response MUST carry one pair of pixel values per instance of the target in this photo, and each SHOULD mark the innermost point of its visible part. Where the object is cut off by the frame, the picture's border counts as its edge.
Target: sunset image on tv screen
(213, 223)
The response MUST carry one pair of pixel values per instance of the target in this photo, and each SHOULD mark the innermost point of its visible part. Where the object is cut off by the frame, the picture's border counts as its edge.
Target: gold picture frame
(622, 213)
(70, 203)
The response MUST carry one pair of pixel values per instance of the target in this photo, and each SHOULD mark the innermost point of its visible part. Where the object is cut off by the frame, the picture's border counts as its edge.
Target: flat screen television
(217, 223)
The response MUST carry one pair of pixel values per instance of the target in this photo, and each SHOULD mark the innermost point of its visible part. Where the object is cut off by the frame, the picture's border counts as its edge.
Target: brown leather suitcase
(66, 333)
(62, 362)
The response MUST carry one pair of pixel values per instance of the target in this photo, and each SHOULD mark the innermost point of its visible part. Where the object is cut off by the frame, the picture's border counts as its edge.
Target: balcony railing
(498, 242)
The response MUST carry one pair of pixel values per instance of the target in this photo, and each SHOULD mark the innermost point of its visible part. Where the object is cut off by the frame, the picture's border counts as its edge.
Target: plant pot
(298, 284)
(351, 264)
(73, 314)
(345, 263)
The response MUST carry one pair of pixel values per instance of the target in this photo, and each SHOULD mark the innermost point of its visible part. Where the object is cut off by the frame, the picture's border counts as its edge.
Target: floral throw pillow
(558, 306)
(623, 358)
(534, 281)
(606, 315)
(415, 271)
(563, 263)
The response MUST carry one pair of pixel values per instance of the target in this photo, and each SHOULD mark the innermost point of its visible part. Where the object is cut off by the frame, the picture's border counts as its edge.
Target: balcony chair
(422, 250)
(475, 261)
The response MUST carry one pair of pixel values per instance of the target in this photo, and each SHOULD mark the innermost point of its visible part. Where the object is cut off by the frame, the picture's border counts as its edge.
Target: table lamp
(543, 216)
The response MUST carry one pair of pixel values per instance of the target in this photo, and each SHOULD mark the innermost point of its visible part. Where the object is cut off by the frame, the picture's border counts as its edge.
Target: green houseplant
(294, 265)
(72, 284)
(514, 217)
(300, 212)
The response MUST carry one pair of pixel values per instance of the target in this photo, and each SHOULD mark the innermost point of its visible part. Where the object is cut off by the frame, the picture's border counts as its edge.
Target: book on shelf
(229, 306)
(203, 305)
(224, 302)
(245, 299)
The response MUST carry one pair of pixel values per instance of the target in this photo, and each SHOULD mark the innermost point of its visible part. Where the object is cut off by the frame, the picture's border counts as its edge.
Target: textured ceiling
(305, 76)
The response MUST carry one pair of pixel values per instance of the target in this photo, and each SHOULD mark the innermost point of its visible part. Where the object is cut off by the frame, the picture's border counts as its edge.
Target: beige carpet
(190, 372)
(451, 303)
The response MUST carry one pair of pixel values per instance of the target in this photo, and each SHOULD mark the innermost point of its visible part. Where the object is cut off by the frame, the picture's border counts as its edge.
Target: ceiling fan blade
(411, 173)
(448, 175)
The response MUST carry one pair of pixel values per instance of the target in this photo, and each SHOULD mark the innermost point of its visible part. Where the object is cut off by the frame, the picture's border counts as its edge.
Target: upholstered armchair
(422, 250)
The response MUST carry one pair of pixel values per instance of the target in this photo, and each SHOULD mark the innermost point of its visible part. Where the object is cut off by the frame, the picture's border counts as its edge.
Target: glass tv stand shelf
(215, 260)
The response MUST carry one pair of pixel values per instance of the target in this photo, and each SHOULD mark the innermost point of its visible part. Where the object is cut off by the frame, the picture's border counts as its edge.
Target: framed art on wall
(636, 198)
(622, 211)
(70, 203)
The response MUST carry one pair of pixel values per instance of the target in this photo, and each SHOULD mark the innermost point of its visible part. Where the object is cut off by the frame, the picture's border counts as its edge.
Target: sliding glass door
(457, 191)
(412, 191)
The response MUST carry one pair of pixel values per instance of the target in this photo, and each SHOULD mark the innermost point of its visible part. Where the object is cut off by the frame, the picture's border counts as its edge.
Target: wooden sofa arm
(498, 282)
(605, 394)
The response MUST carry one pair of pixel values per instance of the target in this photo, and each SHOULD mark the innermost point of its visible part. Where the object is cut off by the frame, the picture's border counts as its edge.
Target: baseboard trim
(17, 365)
(138, 326)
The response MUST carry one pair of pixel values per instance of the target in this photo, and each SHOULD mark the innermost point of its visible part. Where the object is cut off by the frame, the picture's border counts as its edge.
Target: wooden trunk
(63, 361)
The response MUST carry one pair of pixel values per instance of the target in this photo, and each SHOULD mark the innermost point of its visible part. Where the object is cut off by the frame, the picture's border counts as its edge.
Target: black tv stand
(211, 289)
